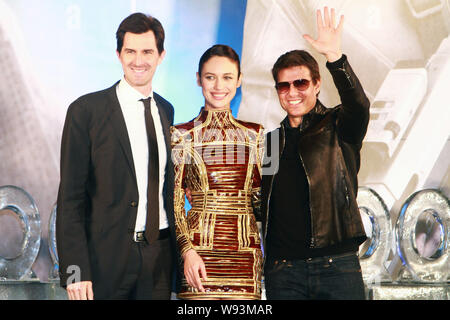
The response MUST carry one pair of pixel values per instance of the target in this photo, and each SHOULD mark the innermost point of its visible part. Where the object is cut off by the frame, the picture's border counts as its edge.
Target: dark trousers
(149, 272)
(336, 277)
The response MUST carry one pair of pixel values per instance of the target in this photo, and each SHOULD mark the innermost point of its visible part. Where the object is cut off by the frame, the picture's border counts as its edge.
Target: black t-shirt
(289, 228)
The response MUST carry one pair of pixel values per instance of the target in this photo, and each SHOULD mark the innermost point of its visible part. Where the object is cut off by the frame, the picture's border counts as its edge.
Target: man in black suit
(115, 225)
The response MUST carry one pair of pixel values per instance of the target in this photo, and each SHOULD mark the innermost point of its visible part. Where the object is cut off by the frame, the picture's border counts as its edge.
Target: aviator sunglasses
(299, 84)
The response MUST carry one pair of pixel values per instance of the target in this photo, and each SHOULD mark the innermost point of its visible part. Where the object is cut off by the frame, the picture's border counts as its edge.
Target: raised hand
(328, 41)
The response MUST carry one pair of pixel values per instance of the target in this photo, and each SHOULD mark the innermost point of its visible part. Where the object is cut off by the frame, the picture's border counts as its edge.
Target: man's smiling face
(295, 102)
(139, 58)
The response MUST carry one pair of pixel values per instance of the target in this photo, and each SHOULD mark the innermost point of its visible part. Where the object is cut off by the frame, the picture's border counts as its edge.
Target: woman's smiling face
(219, 81)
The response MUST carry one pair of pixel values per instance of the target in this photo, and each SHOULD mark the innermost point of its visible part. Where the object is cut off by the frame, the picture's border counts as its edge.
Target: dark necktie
(152, 224)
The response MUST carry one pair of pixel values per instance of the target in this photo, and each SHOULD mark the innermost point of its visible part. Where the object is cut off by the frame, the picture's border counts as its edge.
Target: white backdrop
(400, 50)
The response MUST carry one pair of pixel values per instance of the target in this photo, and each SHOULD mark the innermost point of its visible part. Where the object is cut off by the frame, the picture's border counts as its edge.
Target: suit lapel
(120, 128)
(165, 123)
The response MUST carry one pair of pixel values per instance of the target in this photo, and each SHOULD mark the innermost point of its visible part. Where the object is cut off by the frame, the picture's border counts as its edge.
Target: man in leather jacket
(311, 223)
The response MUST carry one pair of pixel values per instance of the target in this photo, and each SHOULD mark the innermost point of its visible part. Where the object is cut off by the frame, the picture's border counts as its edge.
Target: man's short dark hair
(140, 23)
(296, 58)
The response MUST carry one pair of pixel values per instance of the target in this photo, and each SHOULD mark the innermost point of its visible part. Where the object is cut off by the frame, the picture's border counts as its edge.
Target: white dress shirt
(133, 113)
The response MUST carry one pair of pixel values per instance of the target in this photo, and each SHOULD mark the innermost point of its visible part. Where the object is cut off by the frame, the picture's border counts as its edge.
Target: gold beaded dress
(219, 159)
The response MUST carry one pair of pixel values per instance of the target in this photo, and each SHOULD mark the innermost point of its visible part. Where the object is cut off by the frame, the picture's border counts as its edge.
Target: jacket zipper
(347, 197)
(312, 242)
(270, 194)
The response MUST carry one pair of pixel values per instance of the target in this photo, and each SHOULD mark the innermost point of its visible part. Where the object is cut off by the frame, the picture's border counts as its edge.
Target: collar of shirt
(129, 94)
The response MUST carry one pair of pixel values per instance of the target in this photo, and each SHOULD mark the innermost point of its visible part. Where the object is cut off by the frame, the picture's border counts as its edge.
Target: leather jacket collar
(309, 120)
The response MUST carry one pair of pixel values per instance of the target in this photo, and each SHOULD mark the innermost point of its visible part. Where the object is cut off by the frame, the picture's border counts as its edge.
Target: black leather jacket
(329, 149)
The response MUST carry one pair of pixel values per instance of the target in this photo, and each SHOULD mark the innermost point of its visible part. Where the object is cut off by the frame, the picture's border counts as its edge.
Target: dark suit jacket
(98, 195)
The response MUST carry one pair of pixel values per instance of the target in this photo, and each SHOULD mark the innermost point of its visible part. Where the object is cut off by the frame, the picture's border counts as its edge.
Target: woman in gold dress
(218, 159)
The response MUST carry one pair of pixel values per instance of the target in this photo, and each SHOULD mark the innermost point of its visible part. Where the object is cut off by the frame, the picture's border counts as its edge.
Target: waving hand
(328, 42)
